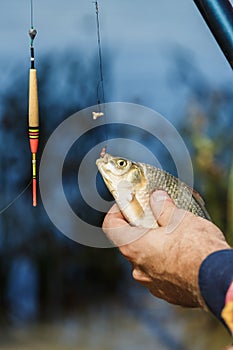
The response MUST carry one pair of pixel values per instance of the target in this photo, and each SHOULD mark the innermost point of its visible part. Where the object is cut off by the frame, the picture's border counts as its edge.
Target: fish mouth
(100, 162)
(103, 159)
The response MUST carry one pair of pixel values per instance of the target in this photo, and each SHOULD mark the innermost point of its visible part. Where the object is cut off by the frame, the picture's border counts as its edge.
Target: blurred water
(22, 291)
(113, 325)
(133, 321)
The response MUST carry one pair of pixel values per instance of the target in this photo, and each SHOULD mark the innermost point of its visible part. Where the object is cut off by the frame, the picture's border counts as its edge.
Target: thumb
(162, 207)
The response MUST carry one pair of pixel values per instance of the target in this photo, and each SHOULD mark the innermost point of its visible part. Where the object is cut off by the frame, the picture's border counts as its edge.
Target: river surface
(146, 324)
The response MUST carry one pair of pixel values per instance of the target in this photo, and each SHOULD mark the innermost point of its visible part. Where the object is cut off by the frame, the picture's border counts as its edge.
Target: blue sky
(142, 35)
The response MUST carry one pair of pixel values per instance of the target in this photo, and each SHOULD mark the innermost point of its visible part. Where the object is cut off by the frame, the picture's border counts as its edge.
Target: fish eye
(121, 163)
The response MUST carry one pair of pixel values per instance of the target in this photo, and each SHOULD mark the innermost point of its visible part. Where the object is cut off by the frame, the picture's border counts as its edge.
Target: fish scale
(182, 195)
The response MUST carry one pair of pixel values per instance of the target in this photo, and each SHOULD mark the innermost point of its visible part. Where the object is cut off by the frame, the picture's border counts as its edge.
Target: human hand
(167, 259)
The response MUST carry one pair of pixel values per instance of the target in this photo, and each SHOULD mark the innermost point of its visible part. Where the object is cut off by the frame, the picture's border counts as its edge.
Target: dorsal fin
(198, 198)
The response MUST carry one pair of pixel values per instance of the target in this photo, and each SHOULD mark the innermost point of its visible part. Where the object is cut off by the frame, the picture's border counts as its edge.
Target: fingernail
(159, 196)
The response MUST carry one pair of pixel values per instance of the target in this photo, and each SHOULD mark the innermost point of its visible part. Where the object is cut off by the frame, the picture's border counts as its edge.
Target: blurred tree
(67, 273)
(230, 205)
(207, 127)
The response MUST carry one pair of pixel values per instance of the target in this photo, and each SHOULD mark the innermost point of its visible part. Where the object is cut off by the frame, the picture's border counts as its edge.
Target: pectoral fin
(136, 207)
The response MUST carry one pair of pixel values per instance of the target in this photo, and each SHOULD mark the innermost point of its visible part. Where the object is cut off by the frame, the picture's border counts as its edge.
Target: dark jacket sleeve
(215, 278)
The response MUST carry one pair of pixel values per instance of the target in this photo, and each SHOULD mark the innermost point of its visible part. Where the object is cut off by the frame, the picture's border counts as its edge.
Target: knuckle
(141, 276)
(129, 252)
(136, 274)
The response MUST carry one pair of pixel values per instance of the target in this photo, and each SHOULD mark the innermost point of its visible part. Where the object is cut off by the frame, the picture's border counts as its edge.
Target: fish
(131, 184)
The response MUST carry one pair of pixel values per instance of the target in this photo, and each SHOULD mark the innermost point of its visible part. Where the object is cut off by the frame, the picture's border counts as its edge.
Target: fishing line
(16, 198)
(100, 84)
(31, 13)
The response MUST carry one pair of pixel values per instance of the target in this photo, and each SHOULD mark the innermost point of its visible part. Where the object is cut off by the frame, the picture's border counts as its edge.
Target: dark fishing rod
(218, 15)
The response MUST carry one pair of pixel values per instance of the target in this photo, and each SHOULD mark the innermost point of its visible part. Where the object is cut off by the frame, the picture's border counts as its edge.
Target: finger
(162, 207)
(114, 219)
(118, 230)
(141, 276)
(167, 214)
(114, 210)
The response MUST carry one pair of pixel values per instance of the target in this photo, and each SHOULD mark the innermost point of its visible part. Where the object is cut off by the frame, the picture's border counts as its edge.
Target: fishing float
(33, 113)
